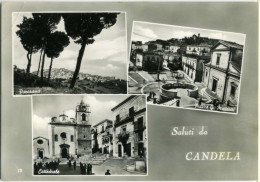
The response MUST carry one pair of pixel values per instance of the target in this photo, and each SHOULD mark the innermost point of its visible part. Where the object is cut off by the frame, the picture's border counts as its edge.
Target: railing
(123, 137)
(138, 127)
(125, 117)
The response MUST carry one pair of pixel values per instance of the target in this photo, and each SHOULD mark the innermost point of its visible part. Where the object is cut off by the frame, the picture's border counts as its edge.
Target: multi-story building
(145, 47)
(193, 66)
(149, 61)
(136, 45)
(201, 49)
(172, 47)
(103, 136)
(130, 138)
(222, 74)
(69, 136)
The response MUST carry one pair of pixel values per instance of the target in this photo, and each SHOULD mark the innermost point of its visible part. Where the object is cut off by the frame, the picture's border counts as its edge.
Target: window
(63, 135)
(83, 117)
(206, 73)
(131, 111)
(103, 128)
(56, 138)
(123, 129)
(140, 136)
(72, 138)
(218, 59)
(40, 141)
(233, 90)
(117, 118)
(140, 122)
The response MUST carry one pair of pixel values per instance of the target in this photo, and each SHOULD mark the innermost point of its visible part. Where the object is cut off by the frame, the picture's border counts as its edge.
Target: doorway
(40, 154)
(214, 85)
(119, 151)
(64, 153)
(128, 149)
(141, 150)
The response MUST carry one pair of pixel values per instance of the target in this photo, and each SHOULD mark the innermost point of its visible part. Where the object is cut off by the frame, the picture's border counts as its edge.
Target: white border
(242, 65)
(96, 95)
(126, 59)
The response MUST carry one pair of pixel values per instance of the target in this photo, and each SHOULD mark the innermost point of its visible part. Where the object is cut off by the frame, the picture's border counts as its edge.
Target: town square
(188, 67)
(99, 135)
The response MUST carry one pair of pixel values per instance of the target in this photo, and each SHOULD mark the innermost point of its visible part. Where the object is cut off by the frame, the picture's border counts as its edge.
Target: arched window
(83, 117)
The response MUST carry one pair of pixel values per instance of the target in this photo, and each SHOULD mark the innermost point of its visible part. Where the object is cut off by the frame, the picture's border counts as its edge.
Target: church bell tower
(83, 129)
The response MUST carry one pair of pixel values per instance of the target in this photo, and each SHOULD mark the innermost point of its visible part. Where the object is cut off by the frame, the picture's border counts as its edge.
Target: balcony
(123, 137)
(107, 138)
(139, 127)
(124, 119)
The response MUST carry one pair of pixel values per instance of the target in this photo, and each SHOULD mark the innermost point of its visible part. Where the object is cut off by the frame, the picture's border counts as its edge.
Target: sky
(47, 106)
(105, 57)
(145, 31)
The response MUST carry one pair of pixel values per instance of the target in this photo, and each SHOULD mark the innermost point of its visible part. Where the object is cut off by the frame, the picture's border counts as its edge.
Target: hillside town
(47, 60)
(192, 72)
(60, 80)
(76, 146)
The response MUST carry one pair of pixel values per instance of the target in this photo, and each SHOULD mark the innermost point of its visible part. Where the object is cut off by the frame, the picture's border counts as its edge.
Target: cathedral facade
(71, 136)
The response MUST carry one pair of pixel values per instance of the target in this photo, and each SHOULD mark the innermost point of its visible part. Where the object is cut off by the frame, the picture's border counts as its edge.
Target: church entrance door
(64, 153)
(64, 150)
(40, 154)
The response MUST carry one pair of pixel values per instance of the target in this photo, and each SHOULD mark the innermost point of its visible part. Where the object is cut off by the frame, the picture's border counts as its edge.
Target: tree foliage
(83, 27)
(29, 38)
(56, 42)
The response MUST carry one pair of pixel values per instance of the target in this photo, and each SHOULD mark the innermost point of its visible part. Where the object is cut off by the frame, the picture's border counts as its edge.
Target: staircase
(91, 160)
(63, 161)
(204, 94)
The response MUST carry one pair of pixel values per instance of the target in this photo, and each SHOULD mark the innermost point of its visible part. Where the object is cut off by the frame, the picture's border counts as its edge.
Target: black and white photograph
(69, 53)
(89, 135)
(186, 67)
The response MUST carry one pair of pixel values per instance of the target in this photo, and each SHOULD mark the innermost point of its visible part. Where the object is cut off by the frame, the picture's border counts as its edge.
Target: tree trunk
(29, 57)
(39, 63)
(49, 75)
(158, 71)
(76, 72)
(43, 59)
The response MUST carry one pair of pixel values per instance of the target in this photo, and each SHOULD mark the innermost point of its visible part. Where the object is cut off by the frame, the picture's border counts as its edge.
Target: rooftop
(101, 122)
(123, 102)
(230, 44)
(197, 56)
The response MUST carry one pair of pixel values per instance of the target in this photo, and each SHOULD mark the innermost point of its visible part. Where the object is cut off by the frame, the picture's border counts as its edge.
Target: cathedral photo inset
(89, 135)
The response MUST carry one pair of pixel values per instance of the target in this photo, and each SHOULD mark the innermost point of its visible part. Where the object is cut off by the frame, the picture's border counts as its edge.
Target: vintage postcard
(89, 135)
(186, 67)
(69, 53)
